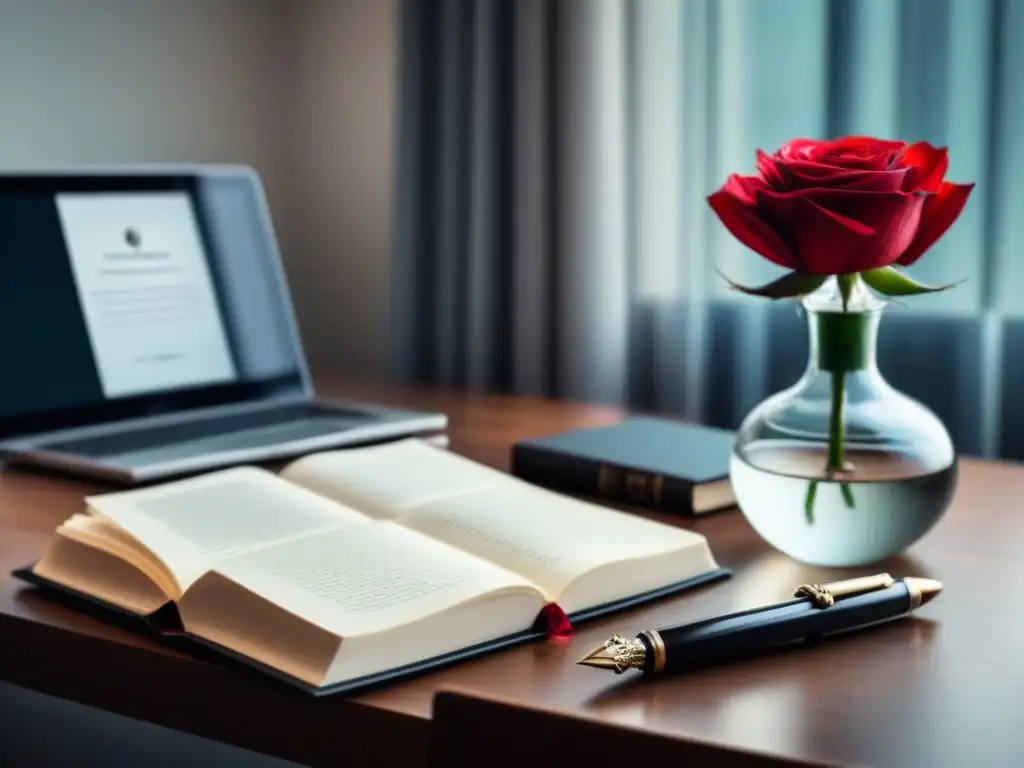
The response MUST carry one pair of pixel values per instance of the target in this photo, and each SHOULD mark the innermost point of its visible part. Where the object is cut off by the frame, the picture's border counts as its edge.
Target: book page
(102, 535)
(579, 553)
(361, 580)
(191, 524)
(388, 480)
(558, 542)
(100, 574)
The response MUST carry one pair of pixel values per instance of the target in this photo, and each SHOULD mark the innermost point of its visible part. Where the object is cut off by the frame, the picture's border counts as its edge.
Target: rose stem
(835, 444)
(836, 458)
(847, 492)
(835, 427)
(812, 492)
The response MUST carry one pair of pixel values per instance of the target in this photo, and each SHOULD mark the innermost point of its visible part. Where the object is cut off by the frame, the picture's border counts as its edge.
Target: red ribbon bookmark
(556, 622)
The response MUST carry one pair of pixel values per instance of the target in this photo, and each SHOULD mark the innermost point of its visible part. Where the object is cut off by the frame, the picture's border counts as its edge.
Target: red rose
(842, 206)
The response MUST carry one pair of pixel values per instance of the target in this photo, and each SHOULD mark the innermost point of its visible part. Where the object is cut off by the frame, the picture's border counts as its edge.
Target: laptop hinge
(183, 416)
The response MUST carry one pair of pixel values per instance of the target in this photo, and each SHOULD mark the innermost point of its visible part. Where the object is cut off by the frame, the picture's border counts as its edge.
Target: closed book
(643, 461)
(354, 568)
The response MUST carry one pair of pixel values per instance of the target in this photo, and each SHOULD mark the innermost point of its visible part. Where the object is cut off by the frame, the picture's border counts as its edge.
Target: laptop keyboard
(224, 433)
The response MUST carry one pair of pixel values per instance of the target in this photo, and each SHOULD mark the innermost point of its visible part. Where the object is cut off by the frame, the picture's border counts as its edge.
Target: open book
(352, 564)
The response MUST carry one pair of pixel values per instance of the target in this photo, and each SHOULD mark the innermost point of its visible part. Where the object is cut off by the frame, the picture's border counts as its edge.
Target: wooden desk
(944, 690)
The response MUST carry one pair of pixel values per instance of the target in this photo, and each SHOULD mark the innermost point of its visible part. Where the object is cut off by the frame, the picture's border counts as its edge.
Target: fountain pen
(817, 611)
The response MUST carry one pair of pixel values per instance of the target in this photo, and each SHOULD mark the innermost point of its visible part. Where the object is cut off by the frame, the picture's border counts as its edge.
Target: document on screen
(146, 291)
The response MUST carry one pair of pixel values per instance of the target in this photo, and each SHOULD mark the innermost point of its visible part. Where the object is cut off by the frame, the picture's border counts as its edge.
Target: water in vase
(886, 504)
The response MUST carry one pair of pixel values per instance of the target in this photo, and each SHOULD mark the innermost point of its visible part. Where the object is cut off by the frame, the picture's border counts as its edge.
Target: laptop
(146, 329)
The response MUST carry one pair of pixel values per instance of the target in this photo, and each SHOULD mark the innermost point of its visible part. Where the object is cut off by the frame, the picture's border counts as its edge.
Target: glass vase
(841, 469)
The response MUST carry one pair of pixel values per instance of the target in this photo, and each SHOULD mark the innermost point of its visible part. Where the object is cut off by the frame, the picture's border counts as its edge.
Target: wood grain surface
(943, 689)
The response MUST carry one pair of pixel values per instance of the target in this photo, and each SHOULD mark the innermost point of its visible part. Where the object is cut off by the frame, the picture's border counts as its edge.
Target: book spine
(583, 477)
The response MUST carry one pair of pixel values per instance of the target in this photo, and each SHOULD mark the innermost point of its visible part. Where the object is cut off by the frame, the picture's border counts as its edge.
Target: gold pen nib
(928, 588)
(601, 658)
(617, 654)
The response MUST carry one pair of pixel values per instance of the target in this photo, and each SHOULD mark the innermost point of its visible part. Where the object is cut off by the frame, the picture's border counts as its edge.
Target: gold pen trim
(922, 590)
(860, 585)
(825, 595)
(618, 654)
(659, 649)
(915, 594)
(820, 596)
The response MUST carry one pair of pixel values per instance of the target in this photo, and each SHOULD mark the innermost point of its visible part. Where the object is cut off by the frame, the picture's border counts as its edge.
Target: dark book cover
(649, 462)
(165, 626)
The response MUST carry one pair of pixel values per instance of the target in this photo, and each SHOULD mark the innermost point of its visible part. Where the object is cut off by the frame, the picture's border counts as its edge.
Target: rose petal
(809, 175)
(797, 149)
(867, 142)
(825, 240)
(862, 152)
(782, 175)
(872, 209)
(858, 162)
(893, 240)
(744, 187)
(821, 163)
(937, 215)
(741, 218)
(870, 181)
(927, 166)
(843, 230)
(773, 171)
(809, 171)
(849, 152)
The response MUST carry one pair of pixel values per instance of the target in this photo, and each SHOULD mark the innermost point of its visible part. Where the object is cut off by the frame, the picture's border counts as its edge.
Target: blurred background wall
(342, 125)
(301, 89)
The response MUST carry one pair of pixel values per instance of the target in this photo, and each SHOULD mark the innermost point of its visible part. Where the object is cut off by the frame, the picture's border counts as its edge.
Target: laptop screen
(145, 293)
(127, 296)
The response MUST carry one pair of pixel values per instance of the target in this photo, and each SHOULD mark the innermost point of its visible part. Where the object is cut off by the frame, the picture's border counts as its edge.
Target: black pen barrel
(717, 640)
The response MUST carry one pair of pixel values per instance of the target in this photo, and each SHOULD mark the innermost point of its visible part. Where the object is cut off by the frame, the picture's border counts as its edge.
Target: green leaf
(892, 282)
(788, 286)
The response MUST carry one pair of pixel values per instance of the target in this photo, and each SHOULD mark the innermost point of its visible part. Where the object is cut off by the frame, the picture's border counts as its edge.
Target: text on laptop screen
(113, 297)
(145, 290)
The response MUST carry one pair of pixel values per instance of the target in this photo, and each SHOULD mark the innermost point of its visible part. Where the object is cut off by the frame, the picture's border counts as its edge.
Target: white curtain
(588, 233)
